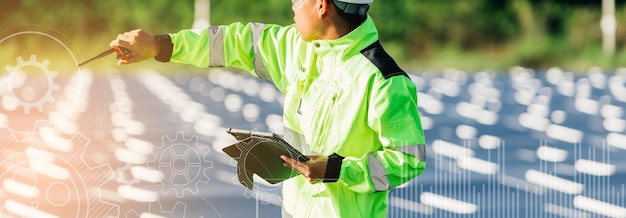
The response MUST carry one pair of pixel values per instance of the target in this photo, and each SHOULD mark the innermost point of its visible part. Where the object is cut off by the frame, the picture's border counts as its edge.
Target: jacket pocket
(322, 121)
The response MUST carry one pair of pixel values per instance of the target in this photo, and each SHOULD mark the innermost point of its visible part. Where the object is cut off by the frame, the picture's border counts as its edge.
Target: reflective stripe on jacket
(344, 96)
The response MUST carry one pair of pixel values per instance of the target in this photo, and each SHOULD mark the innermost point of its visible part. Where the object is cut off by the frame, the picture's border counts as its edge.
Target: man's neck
(337, 28)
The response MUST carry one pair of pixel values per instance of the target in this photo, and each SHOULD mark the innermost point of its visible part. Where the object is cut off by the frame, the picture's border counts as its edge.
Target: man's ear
(323, 8)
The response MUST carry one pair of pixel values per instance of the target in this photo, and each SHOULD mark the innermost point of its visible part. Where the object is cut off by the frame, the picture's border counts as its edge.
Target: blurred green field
(421, 34)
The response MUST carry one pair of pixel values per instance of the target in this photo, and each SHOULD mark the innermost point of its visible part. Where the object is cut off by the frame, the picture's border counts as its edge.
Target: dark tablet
(259, 152)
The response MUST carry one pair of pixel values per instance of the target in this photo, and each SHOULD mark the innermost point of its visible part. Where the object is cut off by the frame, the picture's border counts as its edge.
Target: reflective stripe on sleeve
(259, 67)
(418, 151)
(378, 174)
(216, 49)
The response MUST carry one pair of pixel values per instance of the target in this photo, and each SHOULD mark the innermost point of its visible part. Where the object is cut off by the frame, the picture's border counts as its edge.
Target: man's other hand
(313, 170)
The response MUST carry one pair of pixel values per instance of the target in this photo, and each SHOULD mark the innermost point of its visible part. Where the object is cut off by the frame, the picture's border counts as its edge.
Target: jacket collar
(349, 44)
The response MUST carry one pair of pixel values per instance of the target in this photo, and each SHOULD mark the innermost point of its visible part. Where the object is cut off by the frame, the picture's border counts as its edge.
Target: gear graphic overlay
(100, 124)
(178, 210)
(184, 164)
(42, 181)
(103, 124)
(124, 175)
(15, 71)
(39, 91)
(262, 191)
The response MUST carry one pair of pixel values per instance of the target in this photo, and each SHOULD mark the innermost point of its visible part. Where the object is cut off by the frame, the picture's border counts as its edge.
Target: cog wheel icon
(125, 176)
(43, 66)
(159, 209)
(183, 162)
(98, 123)
(102, 127)
(46, 182)
(263, 192)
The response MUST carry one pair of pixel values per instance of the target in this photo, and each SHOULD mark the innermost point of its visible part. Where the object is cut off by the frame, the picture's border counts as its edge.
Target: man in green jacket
(347, 103)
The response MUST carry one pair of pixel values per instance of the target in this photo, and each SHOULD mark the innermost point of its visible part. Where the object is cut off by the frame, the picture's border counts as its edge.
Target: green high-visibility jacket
(345, 98)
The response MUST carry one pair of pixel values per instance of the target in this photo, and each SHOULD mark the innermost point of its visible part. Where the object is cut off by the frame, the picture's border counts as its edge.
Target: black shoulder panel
(379, 57)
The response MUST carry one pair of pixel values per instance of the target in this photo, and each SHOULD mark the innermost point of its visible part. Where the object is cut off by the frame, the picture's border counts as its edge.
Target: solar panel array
(521, 143)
